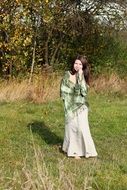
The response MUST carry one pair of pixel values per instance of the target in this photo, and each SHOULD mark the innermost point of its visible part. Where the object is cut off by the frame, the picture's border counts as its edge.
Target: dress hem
(81, 155)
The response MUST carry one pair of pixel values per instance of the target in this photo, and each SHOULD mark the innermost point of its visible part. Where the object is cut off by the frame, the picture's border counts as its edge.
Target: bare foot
(91, 156)
(77, 157)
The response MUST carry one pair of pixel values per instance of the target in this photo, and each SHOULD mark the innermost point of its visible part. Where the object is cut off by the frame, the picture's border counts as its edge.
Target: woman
(73, 90)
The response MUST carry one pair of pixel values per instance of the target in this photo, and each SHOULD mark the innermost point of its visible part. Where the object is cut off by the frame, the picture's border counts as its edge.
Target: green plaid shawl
(73, 95)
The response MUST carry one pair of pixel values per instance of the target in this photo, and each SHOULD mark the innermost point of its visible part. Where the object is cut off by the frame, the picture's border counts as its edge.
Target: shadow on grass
(45, 133)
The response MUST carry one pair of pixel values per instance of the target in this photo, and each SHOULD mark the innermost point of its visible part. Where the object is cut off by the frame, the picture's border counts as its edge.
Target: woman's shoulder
(66, 74)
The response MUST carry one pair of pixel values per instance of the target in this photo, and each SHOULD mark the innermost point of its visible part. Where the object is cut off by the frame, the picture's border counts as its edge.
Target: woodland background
(39, 38)
(36, 34)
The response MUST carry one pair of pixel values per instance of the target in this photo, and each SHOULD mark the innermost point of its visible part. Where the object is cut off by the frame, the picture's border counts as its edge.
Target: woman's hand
(79, 75)
(80, 71)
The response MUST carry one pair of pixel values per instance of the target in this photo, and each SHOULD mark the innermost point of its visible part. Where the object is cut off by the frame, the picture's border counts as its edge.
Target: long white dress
(78, 140)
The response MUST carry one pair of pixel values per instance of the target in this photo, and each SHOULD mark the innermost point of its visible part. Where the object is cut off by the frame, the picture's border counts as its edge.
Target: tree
(37, 33)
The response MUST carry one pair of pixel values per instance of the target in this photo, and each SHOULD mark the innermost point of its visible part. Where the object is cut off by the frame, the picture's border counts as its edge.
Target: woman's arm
(81, 86)
(64, 87)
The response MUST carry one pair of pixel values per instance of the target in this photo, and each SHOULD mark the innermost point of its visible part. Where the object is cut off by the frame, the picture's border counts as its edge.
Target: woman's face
(78, 65)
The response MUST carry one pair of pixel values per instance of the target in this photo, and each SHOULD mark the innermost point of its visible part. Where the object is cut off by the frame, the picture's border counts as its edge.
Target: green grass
(30, 157)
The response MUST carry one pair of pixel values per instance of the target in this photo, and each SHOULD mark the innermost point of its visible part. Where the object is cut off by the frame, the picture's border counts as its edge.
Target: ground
(31, 136)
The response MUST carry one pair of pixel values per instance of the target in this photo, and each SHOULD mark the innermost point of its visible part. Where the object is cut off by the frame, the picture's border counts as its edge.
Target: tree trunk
(46, 53)
(33, 61)
(54, 54)
(47, 48)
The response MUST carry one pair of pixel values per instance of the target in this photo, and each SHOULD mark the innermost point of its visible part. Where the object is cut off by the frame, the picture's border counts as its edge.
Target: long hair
(85, 64)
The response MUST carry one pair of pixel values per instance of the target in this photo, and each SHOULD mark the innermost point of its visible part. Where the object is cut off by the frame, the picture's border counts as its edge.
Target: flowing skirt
(78, 140)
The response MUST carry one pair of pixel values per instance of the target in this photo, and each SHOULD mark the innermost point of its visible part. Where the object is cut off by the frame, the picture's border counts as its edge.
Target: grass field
(30, 154)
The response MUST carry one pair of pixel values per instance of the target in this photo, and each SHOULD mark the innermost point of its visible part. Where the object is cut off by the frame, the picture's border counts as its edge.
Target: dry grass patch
(44, 87)
(110, 84)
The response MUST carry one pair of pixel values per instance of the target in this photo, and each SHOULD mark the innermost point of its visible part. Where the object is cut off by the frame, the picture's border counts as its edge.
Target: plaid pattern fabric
(74, 95)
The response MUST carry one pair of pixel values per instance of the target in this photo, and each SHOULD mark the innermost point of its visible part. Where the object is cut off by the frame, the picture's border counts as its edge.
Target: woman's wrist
(80, 76)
